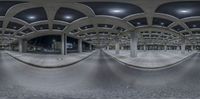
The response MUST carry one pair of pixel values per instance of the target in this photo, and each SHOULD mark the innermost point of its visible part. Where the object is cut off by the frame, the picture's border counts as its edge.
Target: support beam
(165, 47)
(80, 49)
(22, 45)
(64, 42)
(133, 44)
(117, 47)
(90, 47)
(144, 47)
(122, 47)
(192, 47)
(183, 46)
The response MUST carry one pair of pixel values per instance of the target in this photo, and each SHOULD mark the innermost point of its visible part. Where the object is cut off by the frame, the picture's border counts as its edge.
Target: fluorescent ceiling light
(68, 17)
(184, 11)
(116, 11)
(138, 23)
(194, 25)
(31, 17)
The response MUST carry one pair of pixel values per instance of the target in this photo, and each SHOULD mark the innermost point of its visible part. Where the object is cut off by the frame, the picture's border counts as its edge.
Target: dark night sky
(45, 41)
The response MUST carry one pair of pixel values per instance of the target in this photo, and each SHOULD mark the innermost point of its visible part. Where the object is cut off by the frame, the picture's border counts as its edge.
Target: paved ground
(98, 77)
(49, 60)
(150, 59)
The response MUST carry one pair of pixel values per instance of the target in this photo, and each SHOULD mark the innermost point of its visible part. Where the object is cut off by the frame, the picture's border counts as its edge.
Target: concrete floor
(151, 59)
(98, 77)
(49, 60)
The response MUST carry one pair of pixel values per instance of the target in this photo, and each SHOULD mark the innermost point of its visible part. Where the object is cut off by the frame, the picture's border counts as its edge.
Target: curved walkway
(150, 59)
(49, 61)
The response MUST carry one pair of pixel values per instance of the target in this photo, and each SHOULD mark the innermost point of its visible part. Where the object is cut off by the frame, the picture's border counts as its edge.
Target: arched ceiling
(180, 10)
(116, 9)
(101, 22)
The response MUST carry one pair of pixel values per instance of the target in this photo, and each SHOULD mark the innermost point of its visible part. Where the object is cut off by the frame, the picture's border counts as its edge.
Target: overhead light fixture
(138, 23)
(116, 11)
(31, 17)
(162, 23)
(184, 11)
(194, 25)
(68, 17)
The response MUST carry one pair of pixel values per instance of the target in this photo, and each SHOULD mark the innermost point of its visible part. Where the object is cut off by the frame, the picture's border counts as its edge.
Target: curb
(151, 68)
(53, 67)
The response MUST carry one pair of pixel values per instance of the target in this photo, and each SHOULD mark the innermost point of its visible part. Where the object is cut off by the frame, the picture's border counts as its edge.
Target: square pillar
(80, 49)
(165, 47)
(63, 42)
(183, 46)
(192, 48)
(117, 48)
(144, 47)
(133, 44)
(90, 47)
(22, 45)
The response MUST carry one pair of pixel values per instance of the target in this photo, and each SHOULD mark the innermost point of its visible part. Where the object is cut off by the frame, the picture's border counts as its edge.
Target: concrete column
(90, 47)
(25, 47)
(183, 48)
(192, 48)
(133, 44)
(22, 45)
(165, 47)
(122, 47)
(107, 48)
(145, 48)
(117, 47)
(80, 49)
(64, 42)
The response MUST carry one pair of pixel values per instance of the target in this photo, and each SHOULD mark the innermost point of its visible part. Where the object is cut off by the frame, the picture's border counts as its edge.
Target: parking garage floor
(98, 77)
(49, 60)
(150, 59)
